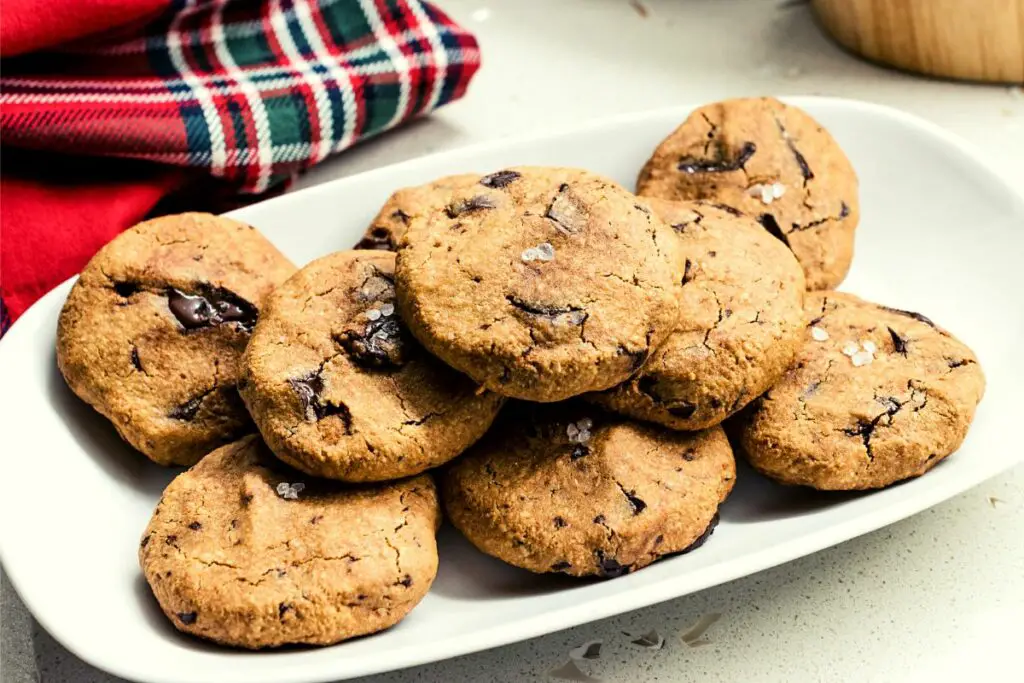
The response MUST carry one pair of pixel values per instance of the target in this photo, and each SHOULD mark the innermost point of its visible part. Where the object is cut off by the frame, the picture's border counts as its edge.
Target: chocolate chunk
(769, 223)
(136, 363)
(187, 410)
(689, 456)
(720, 164)
(637, 358)
(378, 238)
(559, 523)
(500, 179)
(687, 276)
(844, 210)
(171, 539)
(899, 344)
(195, 526)
(145, 541)
(381, 343)
(187, 618)
(682, 409)
(126, 289)
(659, 539)
(599, 519)
(406, 581)
(641, 208)
(561, 566)
(635, 502)
(910, 314)
(314, 408)
(954, 363)
(476, 203)
(579, 451)
(728, 209)
(571, 315)
(400, 215)
(609, 567)
(567, 211)
(283, 609)
(210, 307)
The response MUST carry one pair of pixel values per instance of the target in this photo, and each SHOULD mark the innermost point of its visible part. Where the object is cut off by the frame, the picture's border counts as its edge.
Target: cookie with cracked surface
(771, 161)
(245, 551)
(878, 395)
(572, 489)
(409, 204)
(540, 283)
(153, 330)
(740, 325)
(338, 387)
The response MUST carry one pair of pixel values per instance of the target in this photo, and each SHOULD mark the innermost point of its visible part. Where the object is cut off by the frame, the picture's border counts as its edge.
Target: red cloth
(247, 91)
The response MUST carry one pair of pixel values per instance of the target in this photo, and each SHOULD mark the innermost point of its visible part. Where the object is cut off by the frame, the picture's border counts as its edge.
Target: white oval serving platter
(940, 234)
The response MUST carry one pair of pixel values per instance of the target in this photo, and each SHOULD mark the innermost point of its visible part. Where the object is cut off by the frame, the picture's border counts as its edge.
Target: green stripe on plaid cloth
(252, 91)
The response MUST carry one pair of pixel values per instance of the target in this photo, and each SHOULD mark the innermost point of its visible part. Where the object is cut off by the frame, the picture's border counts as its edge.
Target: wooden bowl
(978, 40)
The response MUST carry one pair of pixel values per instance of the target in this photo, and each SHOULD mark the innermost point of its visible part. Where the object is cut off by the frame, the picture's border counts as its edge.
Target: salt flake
(767, 193)
(373, 314)
(290, 491)
(868, 346)
(850, 348)
(387, 309)
(861, 358)
(819, 334)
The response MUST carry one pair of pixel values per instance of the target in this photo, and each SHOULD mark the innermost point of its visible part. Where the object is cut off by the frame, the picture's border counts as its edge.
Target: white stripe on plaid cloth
(218, 147)
(394, 52)
(436, 48)
(260, 120)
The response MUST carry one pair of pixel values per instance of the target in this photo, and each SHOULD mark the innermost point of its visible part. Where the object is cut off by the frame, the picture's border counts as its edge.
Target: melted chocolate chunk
(609, 567)
(899, 344)
(210, 307)
(187, 410)
(500, 179)
(561, 566)
(476, 203)
(381, 343)
(187, 618)
(567, 211)
(910, 314)
(769, 223)
(720, 164)
(313, 406)
(378, 238)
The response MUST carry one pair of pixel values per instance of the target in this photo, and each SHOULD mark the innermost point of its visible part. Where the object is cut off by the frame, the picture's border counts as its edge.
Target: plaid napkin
(249, 91)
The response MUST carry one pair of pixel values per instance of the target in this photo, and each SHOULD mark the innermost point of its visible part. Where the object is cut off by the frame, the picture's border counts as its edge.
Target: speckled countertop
(937, 597)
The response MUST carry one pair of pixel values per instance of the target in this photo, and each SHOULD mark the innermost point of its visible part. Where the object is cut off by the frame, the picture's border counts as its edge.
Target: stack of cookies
(560, 354)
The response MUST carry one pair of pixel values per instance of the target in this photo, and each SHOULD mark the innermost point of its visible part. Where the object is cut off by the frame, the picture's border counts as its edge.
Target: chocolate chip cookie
(572, 489)
(773, 162)
(245, 551)
(409, 204)
(740, 325)
(540, 283)
(877, 395)
(151, 334)
(340, 389)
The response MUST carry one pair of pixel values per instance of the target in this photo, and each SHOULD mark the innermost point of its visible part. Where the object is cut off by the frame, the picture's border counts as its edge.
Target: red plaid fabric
(249, 91)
